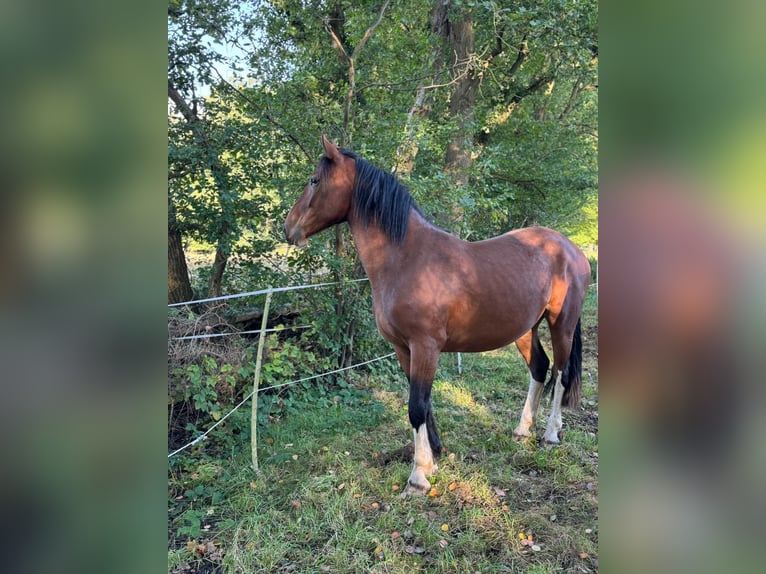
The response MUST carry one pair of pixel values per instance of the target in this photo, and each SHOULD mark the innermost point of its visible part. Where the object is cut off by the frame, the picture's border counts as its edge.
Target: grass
(327, 498)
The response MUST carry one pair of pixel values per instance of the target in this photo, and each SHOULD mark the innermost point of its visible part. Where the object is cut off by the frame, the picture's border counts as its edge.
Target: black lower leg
(539, 363)
(420, 412)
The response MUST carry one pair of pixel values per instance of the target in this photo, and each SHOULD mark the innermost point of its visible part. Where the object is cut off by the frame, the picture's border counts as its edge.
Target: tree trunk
(408, 148)
(463, 98)
(179, 286)
(220, 177)
(219, 266)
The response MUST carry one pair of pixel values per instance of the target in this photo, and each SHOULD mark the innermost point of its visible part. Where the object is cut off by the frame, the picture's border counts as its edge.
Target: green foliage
(534, 159)
(265, 80)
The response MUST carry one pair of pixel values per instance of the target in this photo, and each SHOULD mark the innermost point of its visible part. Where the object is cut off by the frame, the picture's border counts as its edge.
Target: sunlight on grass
(461, 398)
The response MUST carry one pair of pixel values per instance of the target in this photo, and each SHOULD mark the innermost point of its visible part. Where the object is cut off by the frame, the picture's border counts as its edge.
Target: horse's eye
(314, 181)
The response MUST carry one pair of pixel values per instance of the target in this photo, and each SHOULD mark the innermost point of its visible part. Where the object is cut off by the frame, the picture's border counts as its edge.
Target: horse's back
(563, 256)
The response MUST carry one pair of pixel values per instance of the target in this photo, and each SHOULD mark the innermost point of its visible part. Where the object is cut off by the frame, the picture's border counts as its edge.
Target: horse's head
(326, 200)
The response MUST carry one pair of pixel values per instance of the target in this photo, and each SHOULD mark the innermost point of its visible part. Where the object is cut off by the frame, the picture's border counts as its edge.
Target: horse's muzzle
(294, 235)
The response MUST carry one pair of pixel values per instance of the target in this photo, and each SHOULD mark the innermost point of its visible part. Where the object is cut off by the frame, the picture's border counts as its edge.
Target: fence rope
(212, 335)
(264, 291)
(243, 401)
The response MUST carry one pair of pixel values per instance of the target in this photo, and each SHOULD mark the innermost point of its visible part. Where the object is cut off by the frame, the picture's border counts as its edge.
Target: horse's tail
(571, 375)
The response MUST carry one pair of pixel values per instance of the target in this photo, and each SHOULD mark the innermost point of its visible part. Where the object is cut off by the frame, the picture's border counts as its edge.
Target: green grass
(324, 503)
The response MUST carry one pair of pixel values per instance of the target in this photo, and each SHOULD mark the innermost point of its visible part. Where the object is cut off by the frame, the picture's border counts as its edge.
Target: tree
(486, 111)
(190, 67)
(179, 285)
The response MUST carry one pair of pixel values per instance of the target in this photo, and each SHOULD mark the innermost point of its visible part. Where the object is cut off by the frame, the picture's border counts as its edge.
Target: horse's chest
(386, 319)
(386, 325)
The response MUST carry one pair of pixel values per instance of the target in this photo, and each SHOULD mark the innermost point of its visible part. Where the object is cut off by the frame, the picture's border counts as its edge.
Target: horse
(433, 292)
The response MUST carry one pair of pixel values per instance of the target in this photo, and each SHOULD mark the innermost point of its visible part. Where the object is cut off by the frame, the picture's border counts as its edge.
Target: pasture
(328, 497)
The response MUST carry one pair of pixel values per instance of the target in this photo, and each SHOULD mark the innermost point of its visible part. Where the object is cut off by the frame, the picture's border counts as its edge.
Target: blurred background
(681, 307)
(83, 320)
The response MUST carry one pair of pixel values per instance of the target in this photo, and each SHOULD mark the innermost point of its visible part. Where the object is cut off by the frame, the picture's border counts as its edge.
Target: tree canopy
(487, 110)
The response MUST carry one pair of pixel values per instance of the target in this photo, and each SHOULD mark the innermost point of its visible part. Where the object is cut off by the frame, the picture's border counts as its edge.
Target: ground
(328, 497)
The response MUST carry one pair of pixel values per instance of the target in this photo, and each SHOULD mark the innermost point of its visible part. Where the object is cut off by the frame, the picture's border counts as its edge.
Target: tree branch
(370, 30)
(520, 58)
(181, 104)
(530, 88)
(336, 41)
(266, 115)
(351, 93)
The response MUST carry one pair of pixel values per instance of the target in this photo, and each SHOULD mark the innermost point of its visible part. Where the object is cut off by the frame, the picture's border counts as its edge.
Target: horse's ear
(331, 150)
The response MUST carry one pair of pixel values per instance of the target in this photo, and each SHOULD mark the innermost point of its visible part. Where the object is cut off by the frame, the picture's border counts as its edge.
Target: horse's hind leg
(562, 332)
(537, 361)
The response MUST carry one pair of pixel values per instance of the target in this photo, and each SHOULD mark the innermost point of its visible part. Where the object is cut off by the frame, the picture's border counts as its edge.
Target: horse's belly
(477, 344)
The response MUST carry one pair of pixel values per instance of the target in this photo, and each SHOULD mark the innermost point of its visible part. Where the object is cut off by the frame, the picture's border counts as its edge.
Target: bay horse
(434, 292)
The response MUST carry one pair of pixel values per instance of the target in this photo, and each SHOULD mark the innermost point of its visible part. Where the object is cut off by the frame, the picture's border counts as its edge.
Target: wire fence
(215, 335)
(257, 390)
(204, 435)
(244, 400)
(264, 291)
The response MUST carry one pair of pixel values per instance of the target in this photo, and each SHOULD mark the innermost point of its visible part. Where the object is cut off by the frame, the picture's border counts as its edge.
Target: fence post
(257, 382)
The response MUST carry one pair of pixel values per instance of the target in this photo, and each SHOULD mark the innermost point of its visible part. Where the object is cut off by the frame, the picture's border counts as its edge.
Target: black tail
(571, 376)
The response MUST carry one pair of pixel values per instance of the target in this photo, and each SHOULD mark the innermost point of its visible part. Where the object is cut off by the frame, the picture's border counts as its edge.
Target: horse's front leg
(426, 441)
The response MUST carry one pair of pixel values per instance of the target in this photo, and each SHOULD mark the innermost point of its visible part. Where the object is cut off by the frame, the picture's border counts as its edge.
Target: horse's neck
(380, 256)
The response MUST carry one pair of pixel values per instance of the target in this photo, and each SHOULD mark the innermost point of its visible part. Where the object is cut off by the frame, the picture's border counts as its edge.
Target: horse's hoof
(554, 440)
(518, 437)
(417, 484)
(415, 489)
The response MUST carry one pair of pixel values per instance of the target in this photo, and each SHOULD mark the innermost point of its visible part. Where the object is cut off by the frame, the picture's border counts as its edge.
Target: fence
(256, 383)
(256, 389)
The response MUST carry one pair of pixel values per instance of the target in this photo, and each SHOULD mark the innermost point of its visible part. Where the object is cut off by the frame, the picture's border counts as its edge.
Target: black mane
(379, 198)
